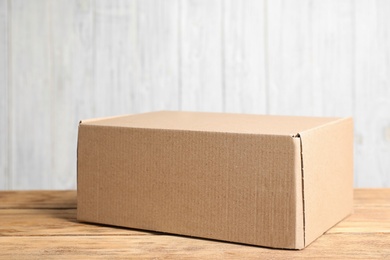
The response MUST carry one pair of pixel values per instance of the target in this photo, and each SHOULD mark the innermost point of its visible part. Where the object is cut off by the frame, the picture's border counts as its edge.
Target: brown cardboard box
(272, 181)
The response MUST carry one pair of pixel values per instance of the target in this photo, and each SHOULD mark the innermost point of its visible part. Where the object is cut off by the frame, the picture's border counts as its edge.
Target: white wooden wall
(66, 60)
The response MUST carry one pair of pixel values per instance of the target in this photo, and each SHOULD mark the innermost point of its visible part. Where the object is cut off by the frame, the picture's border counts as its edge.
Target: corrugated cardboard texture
(221, 176)
(216, 122)
(328, 176)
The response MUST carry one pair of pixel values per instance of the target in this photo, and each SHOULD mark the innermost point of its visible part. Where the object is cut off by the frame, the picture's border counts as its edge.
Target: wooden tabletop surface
(42, 225)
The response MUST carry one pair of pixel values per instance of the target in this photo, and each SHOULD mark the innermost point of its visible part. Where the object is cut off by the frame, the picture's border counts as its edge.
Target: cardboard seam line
(303, 188)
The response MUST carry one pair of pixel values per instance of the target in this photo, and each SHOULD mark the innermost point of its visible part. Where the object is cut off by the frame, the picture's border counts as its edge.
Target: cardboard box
(271, 181)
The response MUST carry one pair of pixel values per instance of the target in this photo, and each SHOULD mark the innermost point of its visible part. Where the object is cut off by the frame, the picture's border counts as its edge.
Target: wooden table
(42, 224)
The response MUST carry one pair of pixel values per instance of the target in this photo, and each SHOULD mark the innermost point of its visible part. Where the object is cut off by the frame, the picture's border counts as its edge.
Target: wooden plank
(51, 232)
(136, 56)
(38, 199)
(367, 246)
(53, 218)
(289, 59)
(201, 55)
(136, 41)
(157, 55)
(244, 56)
(72, 76)
(4, 172)
(54, 222)
(371, 213)
(372, 94)
(68, 199)
(116, 60)
(30, 104)
(371, 198)
(365, 220)
(310, 61)
(332, 56)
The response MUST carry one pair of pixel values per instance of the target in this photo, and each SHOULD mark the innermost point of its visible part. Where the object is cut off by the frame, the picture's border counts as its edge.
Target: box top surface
(216, 122)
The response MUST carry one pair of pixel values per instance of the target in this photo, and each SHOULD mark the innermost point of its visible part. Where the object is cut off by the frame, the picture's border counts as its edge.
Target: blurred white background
(66, 60)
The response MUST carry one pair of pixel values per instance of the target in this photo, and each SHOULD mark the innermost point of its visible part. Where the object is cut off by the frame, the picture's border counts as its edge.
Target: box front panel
(234, 187)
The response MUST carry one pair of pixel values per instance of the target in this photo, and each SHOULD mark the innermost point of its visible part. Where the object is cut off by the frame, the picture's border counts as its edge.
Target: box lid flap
(216, 122)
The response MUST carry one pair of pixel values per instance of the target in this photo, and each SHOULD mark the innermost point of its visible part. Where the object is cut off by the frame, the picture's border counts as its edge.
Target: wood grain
(44, 225)
(157, 56)
(332, 56)
(30, 79)
(116, 71)
(290, 63)
(201, 55)
(371, 198)
(62, 61)
(53, 222)
(72, 92)
(38, 199)
(310, 48)
(244, 57)
(360, 246)
(4, 173)
(372, 103)
(365, 220)
(371, 213)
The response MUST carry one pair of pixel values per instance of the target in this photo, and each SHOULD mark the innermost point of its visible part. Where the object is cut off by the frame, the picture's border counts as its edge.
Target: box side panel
(240, 188)
(328, 176)
(87, 189)
(299, 218)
